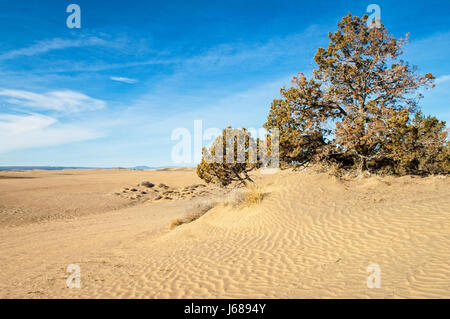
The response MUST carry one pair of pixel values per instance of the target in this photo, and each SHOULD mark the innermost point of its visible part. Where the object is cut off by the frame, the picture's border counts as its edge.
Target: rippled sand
(313, 236)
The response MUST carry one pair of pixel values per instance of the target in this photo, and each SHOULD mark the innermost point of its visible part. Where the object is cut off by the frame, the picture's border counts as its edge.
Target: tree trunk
(362, 165)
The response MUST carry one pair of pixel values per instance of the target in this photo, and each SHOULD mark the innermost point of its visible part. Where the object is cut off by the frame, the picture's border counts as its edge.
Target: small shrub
(230, 158)
(147, 184)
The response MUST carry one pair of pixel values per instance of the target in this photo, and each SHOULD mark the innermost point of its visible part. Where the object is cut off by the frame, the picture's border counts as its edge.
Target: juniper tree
(345, 112)
(230, 158)
(416, 145)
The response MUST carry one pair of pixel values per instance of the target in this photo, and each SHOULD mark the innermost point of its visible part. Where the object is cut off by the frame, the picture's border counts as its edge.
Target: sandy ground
(313, 236)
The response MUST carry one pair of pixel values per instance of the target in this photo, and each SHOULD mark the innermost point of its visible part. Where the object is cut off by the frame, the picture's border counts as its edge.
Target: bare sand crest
(312, 236)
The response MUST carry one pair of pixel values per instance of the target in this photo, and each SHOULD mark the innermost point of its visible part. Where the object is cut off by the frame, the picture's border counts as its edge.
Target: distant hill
(47, 168)
(57, 168)
(152, 167)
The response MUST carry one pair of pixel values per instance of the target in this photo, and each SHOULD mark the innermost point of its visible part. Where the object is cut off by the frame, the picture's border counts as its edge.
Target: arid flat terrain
(312, 236)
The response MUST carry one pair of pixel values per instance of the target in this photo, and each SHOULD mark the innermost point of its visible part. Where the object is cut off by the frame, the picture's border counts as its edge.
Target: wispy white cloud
(18, 124)
(442, 79)
(52, 44)
(218, 57)
(124, 79)
(35, 130)
(45, 46)
(258, 54)
(64, 101)
(429, 51)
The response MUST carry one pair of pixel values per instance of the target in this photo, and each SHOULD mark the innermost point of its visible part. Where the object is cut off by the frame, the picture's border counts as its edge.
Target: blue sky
(111, 93)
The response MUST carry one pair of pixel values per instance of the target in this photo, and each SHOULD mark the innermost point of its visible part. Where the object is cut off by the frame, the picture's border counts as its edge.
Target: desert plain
(311, 236)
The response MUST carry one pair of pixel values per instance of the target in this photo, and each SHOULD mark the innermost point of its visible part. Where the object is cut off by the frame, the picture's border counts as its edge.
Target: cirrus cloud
(442, 79)
(52, 44)
(63, 101)
(123, 79)
(36, 130)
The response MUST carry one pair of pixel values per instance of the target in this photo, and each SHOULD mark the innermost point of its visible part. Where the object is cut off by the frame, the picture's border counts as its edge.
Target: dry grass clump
(253, 196)
(194, 212)
(235, 198)
(244, 197)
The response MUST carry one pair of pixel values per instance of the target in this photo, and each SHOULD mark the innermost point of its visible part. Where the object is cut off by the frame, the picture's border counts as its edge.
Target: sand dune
(34, 196)
(312, 236)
